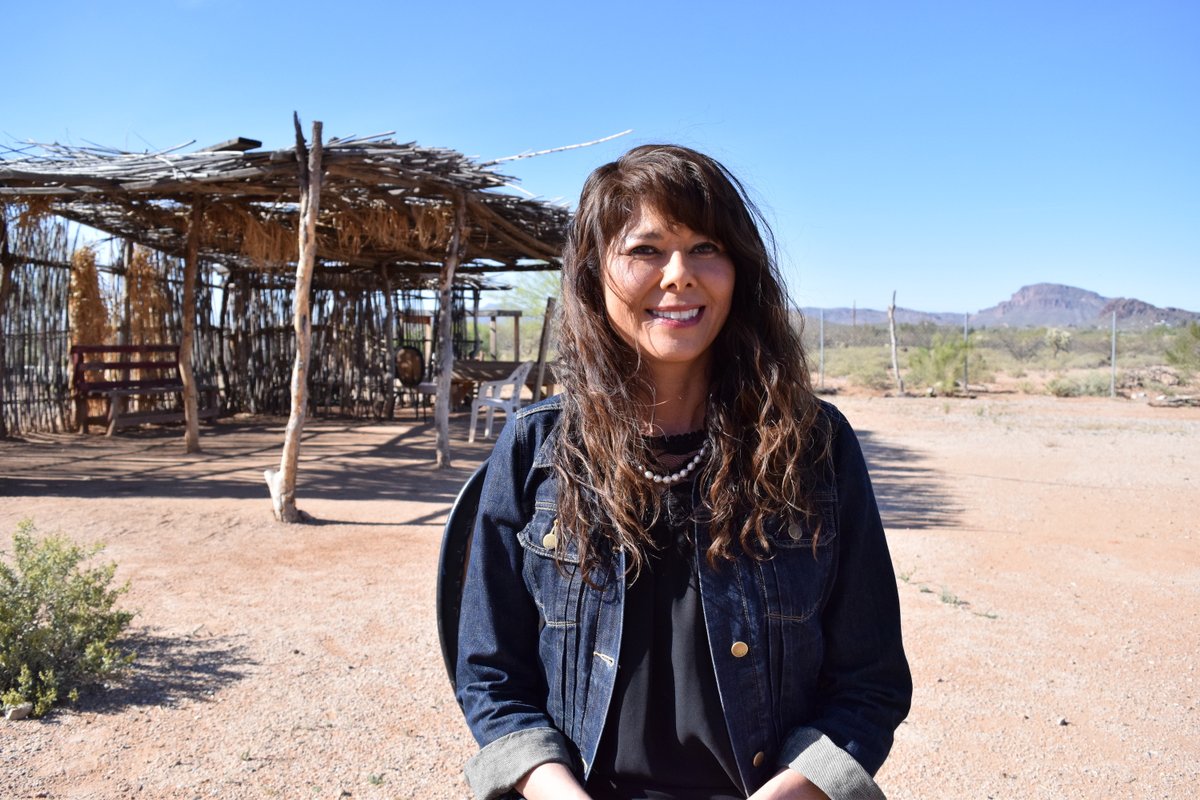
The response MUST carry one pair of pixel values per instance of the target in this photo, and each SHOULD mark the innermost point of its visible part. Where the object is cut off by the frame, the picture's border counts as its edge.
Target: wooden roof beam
(238, 144)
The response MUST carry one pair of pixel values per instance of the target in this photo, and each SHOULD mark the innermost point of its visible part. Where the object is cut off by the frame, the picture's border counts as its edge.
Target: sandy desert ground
(1048, 562)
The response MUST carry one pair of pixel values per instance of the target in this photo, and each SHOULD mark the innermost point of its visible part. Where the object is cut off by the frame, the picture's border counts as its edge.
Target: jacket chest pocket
(552, 578)
(551, 569)
(796, 577)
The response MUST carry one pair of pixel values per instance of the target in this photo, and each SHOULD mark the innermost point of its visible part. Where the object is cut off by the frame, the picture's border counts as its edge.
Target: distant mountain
(1055, 305)
(1039, 305)
(1044, 304)
(869, 316)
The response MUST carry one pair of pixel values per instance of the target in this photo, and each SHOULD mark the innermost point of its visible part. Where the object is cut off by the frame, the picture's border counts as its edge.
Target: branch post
(892, 329)
(191, 398)
(282, 483)
(454, 254)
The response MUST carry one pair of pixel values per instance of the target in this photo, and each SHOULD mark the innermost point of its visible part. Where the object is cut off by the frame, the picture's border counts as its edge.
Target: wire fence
(946, 359)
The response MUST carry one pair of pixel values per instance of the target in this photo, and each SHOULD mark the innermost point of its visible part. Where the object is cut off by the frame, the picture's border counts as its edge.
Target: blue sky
(952, 151)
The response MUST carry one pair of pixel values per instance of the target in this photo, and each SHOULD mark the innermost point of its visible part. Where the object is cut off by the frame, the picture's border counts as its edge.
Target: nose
(676, 272)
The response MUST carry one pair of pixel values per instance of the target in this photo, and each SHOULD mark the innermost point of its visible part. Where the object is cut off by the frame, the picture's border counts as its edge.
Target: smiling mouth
(677, 316)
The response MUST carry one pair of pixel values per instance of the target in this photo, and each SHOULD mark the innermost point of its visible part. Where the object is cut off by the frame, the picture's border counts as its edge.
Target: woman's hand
(551, 781)
(789, 785)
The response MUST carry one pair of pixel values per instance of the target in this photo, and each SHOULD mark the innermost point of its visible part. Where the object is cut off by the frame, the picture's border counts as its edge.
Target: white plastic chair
(492, 397)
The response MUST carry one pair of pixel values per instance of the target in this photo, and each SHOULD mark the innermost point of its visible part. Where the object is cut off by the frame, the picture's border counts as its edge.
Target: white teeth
(691, 313)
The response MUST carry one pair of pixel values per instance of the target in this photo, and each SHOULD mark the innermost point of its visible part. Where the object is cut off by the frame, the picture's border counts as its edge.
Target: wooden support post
(126, 295)
(517, 337)
(6, 285)
(476, 353)
(454, 254)
(241, 331)
(283, 483)
(543, 348)
(389, 332)
(223, 334)
(492, 338)
(191, 397)
(892, 328)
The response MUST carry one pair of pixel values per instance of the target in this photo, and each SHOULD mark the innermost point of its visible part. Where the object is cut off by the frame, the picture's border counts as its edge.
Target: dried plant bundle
(88, 312)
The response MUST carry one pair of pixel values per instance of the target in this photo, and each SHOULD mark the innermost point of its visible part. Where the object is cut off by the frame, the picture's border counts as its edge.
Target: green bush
(58, 621)
(940, 366)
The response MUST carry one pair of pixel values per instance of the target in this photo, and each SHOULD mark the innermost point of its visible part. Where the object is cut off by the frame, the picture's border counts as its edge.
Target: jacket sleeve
(864, 682)
(500, 684)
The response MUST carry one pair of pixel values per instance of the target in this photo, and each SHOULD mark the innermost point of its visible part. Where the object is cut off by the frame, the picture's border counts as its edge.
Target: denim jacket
(805, 645)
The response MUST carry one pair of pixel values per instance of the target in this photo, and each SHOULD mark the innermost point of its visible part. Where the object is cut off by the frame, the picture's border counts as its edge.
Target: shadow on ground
(347, 459)
(341, 459)
(909, 496)
(172, 669)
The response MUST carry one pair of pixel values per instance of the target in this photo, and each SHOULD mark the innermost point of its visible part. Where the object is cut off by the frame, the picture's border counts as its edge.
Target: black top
(665, 736)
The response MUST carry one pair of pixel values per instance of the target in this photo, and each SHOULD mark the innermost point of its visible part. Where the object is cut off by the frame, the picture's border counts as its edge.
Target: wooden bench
(157, 365)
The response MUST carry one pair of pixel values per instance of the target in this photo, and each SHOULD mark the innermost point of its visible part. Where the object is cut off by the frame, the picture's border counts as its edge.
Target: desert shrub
(940, 366)
(58, 621)
(1184, 352)
(1091, 385)
(1022, 344)
(1059, 340)
(868, 367)
(1062, 387)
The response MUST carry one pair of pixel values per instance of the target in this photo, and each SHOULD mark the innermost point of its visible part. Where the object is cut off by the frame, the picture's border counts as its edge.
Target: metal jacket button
(739, 649)
(550, 541)
(759, 758)
(795, 531)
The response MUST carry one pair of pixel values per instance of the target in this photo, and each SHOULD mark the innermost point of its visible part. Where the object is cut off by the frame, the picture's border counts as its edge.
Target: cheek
(619, 309)
(622, 292)
(721, 286)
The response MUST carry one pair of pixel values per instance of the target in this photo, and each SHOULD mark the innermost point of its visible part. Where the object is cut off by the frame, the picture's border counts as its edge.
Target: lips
(682, 315)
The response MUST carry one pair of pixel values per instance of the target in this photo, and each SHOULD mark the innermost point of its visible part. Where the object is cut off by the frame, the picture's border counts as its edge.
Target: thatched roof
(384, 205)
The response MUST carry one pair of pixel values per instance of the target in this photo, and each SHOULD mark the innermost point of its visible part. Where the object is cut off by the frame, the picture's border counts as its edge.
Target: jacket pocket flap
(543, 537)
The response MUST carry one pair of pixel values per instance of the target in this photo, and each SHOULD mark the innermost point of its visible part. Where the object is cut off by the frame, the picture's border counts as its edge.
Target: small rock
(14, 713)
(1063, 721)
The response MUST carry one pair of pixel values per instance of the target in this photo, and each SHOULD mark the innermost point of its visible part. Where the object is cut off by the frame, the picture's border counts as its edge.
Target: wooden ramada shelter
(338, 219)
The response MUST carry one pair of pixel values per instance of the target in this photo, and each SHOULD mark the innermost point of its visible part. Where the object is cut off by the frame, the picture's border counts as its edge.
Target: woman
(679, 587)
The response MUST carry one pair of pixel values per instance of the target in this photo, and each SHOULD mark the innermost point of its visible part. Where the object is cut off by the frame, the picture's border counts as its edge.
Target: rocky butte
(1039, 305)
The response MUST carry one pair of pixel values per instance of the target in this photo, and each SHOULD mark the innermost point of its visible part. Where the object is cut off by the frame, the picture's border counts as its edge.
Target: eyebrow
(651, 233)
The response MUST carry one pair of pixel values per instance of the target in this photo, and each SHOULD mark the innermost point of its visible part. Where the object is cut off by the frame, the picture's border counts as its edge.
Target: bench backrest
(157, 364)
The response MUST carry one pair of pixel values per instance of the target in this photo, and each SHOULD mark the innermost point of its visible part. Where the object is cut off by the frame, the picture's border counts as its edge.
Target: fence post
(822, 362)
(1112, 381)
(966, 356)
(895, 361)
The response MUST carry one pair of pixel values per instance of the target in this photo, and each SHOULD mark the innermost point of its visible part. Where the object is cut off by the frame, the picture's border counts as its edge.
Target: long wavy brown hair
(766, 432)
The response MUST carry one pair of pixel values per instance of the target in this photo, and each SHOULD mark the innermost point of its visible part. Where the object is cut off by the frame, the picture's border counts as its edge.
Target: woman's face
(667, 291)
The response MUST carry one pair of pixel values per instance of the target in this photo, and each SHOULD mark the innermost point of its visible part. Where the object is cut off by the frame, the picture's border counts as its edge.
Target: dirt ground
(1048, 562)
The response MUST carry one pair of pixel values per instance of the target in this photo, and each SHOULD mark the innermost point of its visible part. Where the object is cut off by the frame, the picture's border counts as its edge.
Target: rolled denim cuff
(832, 769)
(494, 770)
